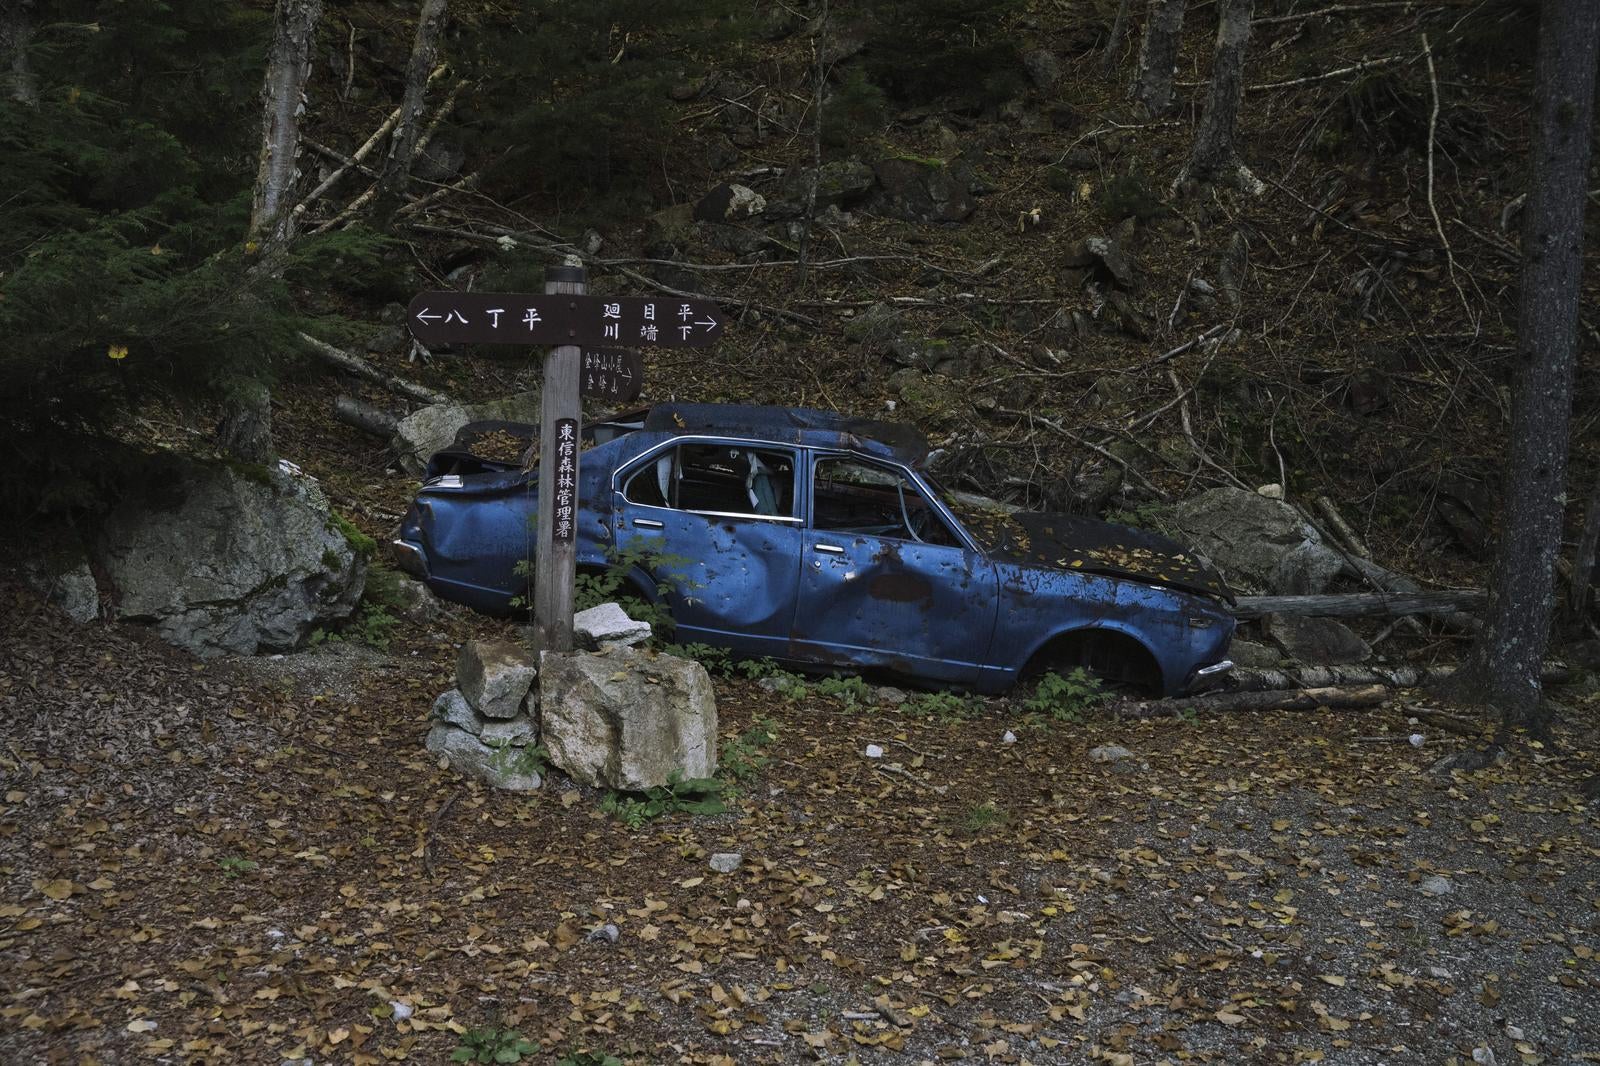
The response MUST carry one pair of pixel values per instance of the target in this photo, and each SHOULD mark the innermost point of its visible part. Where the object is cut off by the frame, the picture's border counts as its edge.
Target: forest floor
(254, 860)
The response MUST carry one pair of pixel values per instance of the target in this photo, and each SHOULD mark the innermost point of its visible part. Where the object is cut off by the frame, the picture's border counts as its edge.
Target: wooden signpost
(579, 329)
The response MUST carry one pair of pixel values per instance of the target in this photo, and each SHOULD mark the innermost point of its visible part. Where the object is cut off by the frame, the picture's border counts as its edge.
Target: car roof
(792, 425)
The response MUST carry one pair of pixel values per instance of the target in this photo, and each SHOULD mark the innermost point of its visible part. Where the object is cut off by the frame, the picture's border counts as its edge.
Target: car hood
(1088, 545)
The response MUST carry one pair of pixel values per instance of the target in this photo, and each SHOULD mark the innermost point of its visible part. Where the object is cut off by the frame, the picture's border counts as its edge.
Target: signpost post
(555, 539)
(575, 325)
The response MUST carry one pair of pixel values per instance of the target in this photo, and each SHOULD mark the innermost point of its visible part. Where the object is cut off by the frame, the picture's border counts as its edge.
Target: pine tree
(121, 271)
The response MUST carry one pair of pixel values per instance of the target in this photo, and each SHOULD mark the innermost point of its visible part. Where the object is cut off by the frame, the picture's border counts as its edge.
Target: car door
(885, 580)
(719, 528)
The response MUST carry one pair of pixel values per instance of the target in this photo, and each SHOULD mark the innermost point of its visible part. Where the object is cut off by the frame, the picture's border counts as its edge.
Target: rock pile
(613, 716)
(487, 725)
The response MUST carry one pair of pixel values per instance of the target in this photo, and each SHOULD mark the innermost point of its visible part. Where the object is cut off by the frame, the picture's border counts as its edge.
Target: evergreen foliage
(574, 96)
(926, 50)
(121, 275)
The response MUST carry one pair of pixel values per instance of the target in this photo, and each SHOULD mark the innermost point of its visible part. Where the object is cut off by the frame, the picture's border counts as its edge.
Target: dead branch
(1346, 532)
(562, 251)
(1341, 9)
(1099, 450)
(1194, 442)
(354, 364)
(1354, 68)
(1362, 604)
(1185, 346)
(1301, 699)
(433, 829)
(364, 416)
(423, 202)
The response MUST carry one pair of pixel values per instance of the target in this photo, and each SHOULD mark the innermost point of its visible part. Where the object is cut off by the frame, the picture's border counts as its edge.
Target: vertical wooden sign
(555, 542)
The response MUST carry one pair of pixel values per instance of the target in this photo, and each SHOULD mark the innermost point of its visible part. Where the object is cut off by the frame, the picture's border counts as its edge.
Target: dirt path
(231, 863)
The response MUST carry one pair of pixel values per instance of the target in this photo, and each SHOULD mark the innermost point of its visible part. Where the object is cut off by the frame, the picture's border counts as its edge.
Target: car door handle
(830, 549)
(648, 523)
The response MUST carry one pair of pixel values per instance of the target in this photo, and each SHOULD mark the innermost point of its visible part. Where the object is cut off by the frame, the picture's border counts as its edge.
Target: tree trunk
(1158, 57)
(246, 432)
(282, 103)
(1503, 665)
(819, 74)
(424, 49)
(1584, 562)
(1214, 150)
(1119, 26)
(16, 34)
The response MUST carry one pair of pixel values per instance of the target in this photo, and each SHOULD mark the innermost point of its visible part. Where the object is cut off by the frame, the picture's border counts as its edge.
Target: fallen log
(365, 417)
(1304, 699)
(353, 364)
(1402, 675)
(1363, 604)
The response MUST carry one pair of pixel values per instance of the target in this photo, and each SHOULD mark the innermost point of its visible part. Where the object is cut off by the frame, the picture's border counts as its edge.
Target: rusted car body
(818, 540)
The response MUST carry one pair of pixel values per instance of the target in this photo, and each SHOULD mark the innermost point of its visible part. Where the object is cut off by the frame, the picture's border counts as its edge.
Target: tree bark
(424, 49)
(1215, 152)
(282, 104)
(819, 75)
(1502, 668)
(1119, 26)
(246, 432)
(16, 34)
(1583, 562)
(1158, 57)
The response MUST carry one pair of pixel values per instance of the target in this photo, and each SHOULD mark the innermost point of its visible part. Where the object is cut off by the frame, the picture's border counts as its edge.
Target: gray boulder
(627, 719)
(428, 429)
(1259, 544)
(64, 578)
(452, 708)
(842, 183)
(1316, 641)
(923, 192)
(495, 676)
(729, 203)
(230, 558)
(512, 768)
(602, 627)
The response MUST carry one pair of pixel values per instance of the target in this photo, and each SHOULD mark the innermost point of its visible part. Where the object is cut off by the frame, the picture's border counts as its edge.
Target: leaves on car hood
(1072, 542)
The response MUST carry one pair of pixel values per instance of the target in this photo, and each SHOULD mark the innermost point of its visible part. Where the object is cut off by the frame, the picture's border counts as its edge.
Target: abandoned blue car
(818, 540)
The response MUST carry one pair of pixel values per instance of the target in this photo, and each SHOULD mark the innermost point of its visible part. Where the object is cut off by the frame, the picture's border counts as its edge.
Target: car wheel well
(1106, 653)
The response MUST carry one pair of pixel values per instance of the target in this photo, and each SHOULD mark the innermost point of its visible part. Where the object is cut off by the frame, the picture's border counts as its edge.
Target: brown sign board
(615, 374)
(439, 318)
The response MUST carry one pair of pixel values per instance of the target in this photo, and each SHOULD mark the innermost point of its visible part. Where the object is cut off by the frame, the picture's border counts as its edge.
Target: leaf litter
(224, 861)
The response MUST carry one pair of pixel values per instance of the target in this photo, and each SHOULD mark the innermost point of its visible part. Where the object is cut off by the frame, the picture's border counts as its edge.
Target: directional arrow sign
(437, 318)
(615, 374)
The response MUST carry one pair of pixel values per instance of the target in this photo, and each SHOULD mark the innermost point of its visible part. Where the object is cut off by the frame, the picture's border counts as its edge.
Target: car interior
(727, 479)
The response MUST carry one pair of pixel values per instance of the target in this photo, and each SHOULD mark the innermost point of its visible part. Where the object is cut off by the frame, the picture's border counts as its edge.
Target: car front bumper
(1205, 678)
(409, 557)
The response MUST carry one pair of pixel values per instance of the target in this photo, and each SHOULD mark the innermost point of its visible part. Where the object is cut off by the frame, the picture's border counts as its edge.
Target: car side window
(850, 496)
(724, 478)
